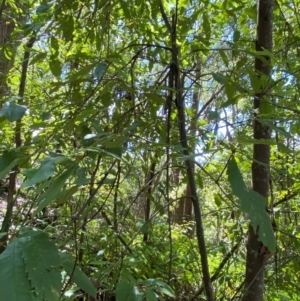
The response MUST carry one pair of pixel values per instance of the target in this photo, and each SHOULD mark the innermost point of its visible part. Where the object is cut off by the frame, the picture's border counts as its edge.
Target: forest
(149, 150)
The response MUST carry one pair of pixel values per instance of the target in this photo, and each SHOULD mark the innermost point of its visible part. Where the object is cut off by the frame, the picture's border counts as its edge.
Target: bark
(185, 209)
(18, 143)
(176, 84)
(255, 265)
(6, 28)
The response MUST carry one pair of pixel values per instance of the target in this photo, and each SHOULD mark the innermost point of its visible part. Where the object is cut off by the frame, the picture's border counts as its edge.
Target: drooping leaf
(100, 70)
(12, 111)
(77, 275)
(8, 160)
(38, 57)
(126, 291)
(67, 27)
(224, 57)
(54, 189)
(236, 35)
(45, 171)
(55, 66)
(160, 287)
(67, 194)
(150, 295)
(206, 26)
(82, 73)
(219, 78)
(43, 8)
(253, 204)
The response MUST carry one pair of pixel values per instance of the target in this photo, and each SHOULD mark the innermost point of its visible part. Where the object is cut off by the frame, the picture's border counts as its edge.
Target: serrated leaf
(253, 204)
(77, 275)
(12, 111)
(100, 70)
(54, 189)
(14, 283)
(8, 160)
(38, 248)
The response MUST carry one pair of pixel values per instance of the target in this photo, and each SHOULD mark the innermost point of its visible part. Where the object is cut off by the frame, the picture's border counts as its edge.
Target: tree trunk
(255, 265)
(6, 29)
(184, 210)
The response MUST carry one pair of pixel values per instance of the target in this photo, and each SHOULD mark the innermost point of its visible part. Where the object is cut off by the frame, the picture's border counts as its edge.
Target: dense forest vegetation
(149, 150)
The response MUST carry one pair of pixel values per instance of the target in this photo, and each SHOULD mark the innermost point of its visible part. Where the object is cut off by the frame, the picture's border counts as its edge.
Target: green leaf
(8, 160)
(67, 194)
(126, 291)
(199, 180)
(41, 257)
(150, 295)
(14, 283)
(43, 8)
(247, 140)
(100, 70)
(218, 199)
(253, 204)
(8, 51)
(55, 66)
(54, 44)
(219, 78)
(77, 275)
(13, 111)
(236, 35)
(206, 26)
(161, 287)
(38, 57)
(54, 189)
(3, 234)
(224, 57)
(67, 27)
(80, 74)
(45, 171)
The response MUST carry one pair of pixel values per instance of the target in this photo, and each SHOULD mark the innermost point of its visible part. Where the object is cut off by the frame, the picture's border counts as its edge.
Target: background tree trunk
(255, 265)
(6, 28)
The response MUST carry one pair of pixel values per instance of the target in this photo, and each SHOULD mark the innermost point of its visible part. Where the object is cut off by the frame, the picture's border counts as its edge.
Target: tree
(257, 253)
(119, 110)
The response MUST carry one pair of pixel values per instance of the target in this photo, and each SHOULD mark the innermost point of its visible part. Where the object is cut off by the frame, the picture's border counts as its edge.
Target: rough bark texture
(254, 281)
(6, 29)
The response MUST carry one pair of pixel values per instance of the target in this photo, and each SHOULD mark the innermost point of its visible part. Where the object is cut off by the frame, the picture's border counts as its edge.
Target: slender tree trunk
(185, 208)
(6, 28)
(255, 265)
